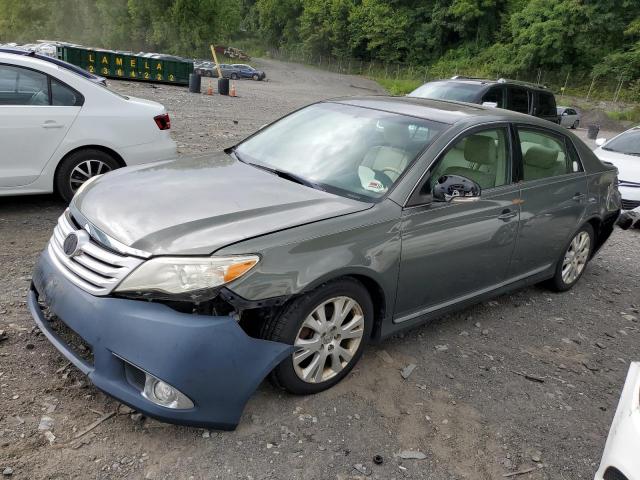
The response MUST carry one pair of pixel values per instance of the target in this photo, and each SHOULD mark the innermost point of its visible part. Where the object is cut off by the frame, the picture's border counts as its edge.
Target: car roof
(443, 111)
(488, 82)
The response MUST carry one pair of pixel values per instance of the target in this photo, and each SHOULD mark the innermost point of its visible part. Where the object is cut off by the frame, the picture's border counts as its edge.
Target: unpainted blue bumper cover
(209, 359)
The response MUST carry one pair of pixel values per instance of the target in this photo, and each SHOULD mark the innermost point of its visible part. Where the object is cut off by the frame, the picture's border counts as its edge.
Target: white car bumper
(630, 194)
(621, 449)
(163, 149)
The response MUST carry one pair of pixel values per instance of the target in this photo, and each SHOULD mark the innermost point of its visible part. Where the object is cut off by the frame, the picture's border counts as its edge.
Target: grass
(398, 86)
(628, 115)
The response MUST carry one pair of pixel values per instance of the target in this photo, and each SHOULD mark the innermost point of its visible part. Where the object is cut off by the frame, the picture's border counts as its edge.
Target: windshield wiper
(283, 174)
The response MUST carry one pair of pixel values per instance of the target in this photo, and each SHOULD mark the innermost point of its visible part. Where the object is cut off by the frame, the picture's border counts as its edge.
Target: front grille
(630, 204)
(94, 268)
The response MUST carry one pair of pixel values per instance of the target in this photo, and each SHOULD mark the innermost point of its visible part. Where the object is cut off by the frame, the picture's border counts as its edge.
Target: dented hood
(198, 205)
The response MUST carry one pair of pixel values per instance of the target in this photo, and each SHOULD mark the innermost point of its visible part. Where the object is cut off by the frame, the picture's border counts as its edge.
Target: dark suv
(513, 95)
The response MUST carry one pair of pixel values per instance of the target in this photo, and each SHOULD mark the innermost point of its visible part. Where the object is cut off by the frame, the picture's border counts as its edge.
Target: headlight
(176, 275)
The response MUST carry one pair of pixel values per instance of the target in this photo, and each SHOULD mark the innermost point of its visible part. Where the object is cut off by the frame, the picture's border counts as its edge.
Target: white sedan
(569, 117)
(57, 129)
(620, 460)
(624, 152)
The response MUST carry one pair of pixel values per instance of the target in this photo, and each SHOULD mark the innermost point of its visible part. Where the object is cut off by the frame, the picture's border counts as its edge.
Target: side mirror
(601, 141)
(564, 114)
(456, 189)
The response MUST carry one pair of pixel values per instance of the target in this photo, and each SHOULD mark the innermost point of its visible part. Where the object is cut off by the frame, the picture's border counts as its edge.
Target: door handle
(507, 214)
(578, 196)
(51, 124)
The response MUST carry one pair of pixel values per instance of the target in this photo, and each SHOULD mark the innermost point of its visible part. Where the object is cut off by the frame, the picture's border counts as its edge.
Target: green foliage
(185, 27)
(629, 115)
(398, 87)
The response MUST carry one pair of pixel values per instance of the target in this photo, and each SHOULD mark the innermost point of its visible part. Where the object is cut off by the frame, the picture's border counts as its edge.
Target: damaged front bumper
(209, 359)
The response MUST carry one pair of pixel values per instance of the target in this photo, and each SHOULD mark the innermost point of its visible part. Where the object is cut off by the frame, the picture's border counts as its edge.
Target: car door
(554, 198)
(36, 113)
(453, 251)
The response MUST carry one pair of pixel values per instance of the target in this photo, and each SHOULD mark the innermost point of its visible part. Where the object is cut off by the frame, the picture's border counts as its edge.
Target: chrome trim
(93, 268)
(103, 238)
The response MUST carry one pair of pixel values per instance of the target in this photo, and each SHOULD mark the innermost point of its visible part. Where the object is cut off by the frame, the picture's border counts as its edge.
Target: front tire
(79, 167)
(329, 328)
(256, 77)
(574, 259)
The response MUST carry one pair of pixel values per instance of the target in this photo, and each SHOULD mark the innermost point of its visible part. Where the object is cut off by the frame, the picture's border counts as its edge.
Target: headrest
(480, 149)
(541, 157)
(396, 134)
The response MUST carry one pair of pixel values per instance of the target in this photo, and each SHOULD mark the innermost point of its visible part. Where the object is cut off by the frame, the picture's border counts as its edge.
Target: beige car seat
(542, 162)
(481, 152)
(391, 158)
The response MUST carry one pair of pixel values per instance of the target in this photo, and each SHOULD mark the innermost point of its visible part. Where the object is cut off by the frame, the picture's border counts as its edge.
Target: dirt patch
(463, 406)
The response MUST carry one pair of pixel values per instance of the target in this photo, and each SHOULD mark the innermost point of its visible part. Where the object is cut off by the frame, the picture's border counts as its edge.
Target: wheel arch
(117, 157)
(370, 283)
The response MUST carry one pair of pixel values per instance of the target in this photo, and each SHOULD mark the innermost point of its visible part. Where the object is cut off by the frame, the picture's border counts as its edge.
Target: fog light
(163, 394)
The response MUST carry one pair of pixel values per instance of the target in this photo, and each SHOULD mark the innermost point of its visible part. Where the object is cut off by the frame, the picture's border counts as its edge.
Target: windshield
(351, 151)
(459, 92)
(627, 143)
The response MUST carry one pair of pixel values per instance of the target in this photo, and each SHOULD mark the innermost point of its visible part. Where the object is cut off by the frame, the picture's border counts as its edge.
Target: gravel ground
(468, 406)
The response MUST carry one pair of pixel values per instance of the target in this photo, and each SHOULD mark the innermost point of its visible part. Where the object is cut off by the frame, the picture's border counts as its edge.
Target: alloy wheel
(85, 170)
(328, 339)
(576, 257)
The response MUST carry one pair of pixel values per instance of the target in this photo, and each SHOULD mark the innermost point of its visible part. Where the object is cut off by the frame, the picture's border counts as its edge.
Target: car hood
(198, 205)
(628, 165)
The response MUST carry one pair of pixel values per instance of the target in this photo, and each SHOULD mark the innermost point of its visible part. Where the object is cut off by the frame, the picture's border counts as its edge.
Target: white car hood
(628, 165)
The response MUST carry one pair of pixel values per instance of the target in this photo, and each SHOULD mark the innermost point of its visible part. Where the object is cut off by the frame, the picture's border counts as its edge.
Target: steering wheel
(392, 169)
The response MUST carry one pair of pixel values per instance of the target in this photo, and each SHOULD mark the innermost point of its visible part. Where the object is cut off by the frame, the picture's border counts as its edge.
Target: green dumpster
(127, 66)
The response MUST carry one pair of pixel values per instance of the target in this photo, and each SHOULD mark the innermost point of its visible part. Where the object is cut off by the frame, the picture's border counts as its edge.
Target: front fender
(297, 260)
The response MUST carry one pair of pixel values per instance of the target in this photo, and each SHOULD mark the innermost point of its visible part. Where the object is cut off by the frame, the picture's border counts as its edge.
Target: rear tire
(79, 167)
(575, 124)
(574, 260)
(234, 76)
(326, 351)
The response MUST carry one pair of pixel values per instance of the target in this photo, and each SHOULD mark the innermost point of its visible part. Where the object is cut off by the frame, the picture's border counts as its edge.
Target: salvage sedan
(343, 223)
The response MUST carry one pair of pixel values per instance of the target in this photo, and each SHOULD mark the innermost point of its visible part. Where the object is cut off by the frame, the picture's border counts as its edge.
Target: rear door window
(518, 99)
(63, 96)
(495, 95)
(547, 105)
(21, 86)
(544, 155)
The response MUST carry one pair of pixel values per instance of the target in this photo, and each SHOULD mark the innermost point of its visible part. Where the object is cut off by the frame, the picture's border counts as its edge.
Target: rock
(464, 333)
(206, 434)
(536, 457)
(3, 335)
(406, 371)
(631, 318)
(46, 423)
(384, 356)
(124, 409)
(7, 472)
(30, 346)
(137, 417)
(362, 469)
(478, 324)
(411, 455)
(485, 332)
(441, 348)
(49, 436)
(601, 345)
(450, 376)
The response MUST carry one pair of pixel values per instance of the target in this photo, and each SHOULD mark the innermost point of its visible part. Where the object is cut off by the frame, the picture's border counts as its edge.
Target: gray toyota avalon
(343, 223)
